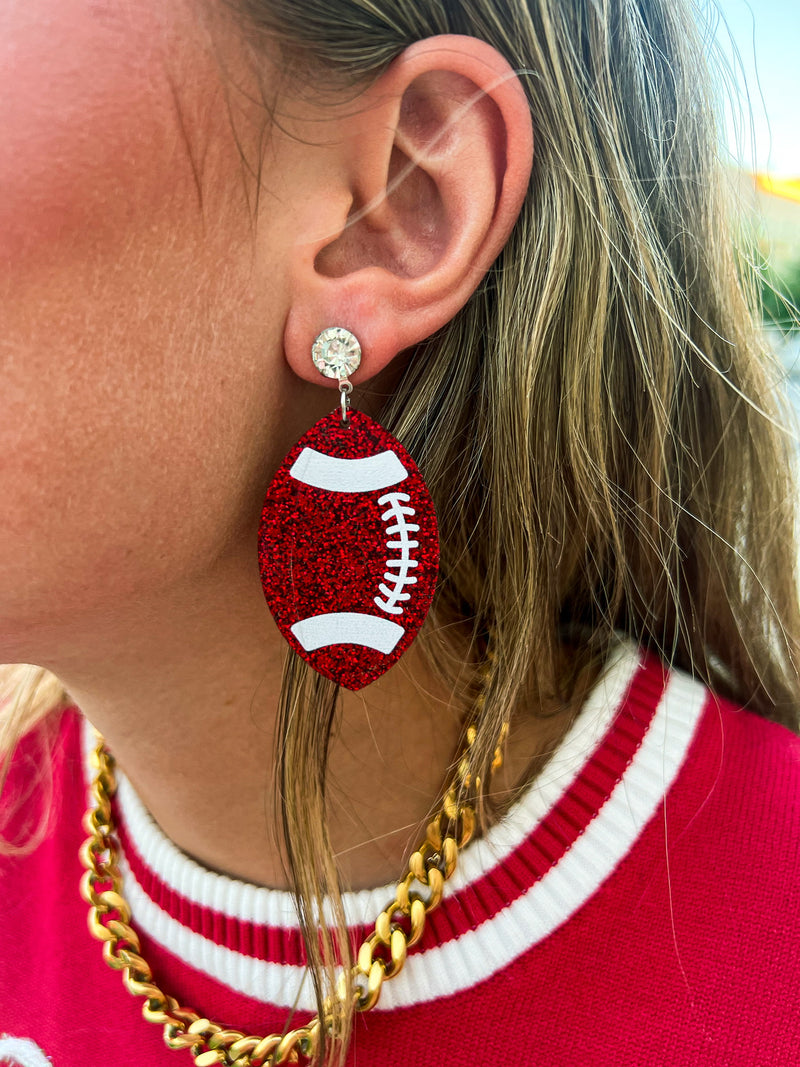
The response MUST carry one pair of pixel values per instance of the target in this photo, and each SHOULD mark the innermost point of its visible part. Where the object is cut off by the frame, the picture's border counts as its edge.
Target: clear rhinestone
(336, 352)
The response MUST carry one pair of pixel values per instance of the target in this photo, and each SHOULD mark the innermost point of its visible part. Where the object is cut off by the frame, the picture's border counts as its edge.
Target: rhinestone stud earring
(348, 543)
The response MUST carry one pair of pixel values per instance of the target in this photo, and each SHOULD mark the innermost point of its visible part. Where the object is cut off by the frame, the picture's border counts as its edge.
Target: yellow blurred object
(789, 188)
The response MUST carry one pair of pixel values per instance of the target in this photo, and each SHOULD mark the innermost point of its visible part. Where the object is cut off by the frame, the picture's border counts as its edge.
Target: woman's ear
(419, 190)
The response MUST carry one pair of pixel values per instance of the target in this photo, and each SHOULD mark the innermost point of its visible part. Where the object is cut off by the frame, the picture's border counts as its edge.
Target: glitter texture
(348, 551)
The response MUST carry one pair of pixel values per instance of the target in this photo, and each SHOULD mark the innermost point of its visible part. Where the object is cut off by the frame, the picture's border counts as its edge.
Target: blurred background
(760, 45)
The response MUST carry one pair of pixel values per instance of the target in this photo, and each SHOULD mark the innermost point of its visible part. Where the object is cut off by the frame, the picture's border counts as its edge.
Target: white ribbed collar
(477, 953)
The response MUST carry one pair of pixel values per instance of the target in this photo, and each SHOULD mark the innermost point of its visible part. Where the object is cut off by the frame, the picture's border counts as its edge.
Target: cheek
(83, 111)
(131, 357)
(130, 454)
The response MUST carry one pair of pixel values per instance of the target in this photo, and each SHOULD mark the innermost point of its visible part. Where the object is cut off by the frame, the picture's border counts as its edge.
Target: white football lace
(399, 511)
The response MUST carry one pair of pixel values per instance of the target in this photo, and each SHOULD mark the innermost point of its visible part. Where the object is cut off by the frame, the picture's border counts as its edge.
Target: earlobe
(438, 157)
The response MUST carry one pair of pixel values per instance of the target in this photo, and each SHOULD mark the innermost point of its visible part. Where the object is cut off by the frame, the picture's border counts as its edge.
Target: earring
(348, 545)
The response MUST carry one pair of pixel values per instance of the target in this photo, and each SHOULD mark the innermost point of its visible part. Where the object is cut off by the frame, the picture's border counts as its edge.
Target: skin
(154, 368)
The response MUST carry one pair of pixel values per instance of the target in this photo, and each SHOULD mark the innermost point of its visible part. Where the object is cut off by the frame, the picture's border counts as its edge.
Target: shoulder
(731, 819)
(724, 819)
(44, 770)
(705, 903)
(750, 764)
(727, 749)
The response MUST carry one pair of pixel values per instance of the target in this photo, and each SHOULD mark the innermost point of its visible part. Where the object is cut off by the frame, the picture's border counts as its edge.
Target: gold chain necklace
(380, 958)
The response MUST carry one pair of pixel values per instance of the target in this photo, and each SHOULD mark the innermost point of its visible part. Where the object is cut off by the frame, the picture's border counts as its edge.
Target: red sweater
(639, 906)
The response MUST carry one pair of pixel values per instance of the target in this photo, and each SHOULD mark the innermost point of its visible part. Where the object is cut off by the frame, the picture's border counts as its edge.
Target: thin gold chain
(380, 958)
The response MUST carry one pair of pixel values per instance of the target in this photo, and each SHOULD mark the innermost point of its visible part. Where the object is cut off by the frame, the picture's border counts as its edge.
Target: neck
(186, 696)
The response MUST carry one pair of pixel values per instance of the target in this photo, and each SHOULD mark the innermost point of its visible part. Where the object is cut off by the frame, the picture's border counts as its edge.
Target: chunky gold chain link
(380, 958)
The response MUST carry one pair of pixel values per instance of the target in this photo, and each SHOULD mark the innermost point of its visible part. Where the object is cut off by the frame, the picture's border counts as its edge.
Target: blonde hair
(598, 426)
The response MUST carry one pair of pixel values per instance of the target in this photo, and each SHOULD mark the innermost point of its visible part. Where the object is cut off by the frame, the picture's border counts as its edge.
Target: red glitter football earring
(348, 545)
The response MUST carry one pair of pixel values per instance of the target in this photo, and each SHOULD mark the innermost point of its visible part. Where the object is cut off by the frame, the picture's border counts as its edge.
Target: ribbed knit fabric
(639, 906)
